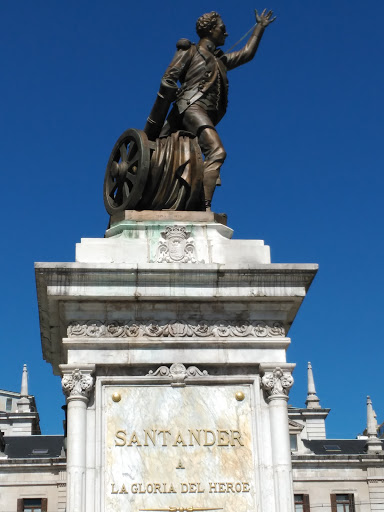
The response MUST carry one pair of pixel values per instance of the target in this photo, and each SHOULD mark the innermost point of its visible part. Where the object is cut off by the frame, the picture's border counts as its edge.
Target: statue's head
(211, 25)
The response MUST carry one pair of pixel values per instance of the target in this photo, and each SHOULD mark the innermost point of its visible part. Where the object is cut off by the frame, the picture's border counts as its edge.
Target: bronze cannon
(148, 172)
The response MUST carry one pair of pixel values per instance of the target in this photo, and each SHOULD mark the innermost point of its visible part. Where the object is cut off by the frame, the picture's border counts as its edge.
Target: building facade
(32, 466)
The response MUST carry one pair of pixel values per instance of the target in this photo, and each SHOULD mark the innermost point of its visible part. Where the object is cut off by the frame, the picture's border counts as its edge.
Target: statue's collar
(207, 45)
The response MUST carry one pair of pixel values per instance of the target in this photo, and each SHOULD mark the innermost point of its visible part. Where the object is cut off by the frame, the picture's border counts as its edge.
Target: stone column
(77, 385)
(276, 384)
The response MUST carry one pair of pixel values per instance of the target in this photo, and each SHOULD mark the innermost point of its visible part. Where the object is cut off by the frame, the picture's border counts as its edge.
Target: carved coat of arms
(176, 246)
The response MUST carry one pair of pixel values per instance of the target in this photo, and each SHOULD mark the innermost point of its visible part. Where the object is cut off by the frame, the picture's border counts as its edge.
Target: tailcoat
(198, 67)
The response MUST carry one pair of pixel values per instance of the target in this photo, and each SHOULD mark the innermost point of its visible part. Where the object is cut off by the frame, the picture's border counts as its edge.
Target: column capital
(277, 381)
(77, 383)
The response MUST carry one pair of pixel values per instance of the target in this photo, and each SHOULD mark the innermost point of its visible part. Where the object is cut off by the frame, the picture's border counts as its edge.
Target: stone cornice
(38, 463)
(307, 413)
(362, 460)
(274, 279)
(280, 287)
(14, 415)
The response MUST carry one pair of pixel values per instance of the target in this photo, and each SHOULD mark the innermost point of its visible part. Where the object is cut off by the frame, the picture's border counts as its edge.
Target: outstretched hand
(265, 18)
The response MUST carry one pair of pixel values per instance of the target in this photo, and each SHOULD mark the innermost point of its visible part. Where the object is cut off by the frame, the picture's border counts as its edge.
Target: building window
(293, 442)
(302, 503)
(32, 505)
(8, 404)
(332, 448)
(342, 503)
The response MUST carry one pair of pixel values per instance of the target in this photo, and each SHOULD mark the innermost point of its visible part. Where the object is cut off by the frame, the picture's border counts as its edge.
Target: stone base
(169, 215)
(171, 237)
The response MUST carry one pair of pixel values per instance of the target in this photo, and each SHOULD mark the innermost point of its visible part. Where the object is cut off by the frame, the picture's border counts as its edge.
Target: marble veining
(178, 447)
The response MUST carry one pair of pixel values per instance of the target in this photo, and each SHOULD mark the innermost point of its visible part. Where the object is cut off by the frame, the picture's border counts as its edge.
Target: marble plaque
(178, 449)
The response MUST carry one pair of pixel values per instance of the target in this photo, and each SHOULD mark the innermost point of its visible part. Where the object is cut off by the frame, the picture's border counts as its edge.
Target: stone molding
(178, 328)
(176, 246)
(277, 383)
(178, 373)
(295, 427)
(77, 384)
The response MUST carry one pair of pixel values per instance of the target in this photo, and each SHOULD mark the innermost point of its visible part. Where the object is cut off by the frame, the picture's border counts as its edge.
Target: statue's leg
(197, 121)
(214, 153)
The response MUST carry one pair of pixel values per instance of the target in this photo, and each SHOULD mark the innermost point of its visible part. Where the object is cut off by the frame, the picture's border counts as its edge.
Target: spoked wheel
(127, 171)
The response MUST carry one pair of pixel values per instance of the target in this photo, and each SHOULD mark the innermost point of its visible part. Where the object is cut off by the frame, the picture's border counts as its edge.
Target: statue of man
(202, 98)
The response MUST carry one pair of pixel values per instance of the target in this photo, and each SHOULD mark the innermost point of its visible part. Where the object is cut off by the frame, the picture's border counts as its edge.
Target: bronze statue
(203, 97)
(161, 167)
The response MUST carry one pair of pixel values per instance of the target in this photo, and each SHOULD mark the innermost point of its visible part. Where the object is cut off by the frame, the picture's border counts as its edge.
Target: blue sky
(304, 137)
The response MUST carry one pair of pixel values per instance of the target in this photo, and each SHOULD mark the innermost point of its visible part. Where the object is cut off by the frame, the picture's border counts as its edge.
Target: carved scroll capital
(77, 384)
(178, 373)
(277, 383)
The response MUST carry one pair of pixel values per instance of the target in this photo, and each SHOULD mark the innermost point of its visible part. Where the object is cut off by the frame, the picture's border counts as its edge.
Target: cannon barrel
(155, 120)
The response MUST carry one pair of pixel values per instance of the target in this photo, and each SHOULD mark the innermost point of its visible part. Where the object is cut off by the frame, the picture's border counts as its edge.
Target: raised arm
(235, 59)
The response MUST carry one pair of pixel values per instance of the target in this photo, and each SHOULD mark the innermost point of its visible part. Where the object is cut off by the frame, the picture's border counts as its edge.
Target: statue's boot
(209, 184)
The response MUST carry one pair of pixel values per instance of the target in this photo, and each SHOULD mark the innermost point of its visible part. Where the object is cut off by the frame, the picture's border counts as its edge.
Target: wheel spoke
(123, 152)
(131, 177)
(118, 197)
(132, 150)
(113, 189)
(126, 191)
(133, 165)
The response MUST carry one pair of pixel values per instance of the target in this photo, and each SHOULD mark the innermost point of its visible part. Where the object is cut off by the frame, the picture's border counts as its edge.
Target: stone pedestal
(184, 333)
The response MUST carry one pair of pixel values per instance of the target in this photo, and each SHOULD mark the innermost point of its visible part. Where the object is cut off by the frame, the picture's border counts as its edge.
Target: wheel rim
(127, 172)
